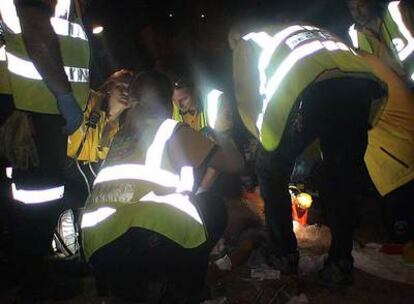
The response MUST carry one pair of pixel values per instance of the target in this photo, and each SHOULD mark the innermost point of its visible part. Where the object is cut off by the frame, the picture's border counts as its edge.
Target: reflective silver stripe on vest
(137, 172)
(213, 106)
(150, 172)
(37, 196)
(3, 54)
(26, 69)
(9, 172)
(403, 51)
(269, 45)
(269, 87)
(59, 22)
(154, 153)
(91, 219)
(353, 34)
(176, 200)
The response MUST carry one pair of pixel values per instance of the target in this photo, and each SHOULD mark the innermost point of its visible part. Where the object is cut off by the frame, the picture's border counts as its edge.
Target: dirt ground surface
(238, 286)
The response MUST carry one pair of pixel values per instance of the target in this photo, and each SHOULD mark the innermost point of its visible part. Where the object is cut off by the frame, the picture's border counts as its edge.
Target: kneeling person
(143, 225)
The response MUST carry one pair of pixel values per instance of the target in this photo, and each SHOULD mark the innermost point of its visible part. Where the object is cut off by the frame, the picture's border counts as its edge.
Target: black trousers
(34, 224)
(129, 265)
(335, 111)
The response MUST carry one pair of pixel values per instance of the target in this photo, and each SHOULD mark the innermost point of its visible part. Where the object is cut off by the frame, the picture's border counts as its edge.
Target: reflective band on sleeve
(213, 106)
(393, 8)
(176, 200)
(91, 219)
(9, 172)
(37, 196)
(3, 53)
(25, 68)
(354, 36)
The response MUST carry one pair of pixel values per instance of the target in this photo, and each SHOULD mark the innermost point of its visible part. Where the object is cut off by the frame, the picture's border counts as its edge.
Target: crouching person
(144, 230)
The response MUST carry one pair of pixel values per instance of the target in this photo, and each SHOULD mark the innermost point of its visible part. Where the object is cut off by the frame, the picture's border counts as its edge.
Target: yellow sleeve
(75, 140)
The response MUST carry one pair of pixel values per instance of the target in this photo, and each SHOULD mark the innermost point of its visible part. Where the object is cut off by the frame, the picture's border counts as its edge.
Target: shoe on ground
(286, 264)
(337, 273)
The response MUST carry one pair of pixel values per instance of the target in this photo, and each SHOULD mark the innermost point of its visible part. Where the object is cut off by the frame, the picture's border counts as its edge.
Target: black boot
(337, 272)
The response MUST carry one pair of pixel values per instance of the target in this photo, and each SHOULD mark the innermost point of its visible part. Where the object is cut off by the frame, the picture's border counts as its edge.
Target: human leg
(34, 216)
(142, 265)
(342, 123)
(274, 171)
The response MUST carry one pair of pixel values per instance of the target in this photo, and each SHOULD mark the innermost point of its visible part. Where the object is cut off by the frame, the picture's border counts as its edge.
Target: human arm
(43, 48)
(190, 148)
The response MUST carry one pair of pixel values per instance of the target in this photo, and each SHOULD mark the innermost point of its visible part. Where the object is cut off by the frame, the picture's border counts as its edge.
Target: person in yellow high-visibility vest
(386, 31)
(201, 107)
(47, 54)
(295, 83)
(89, 145)
(145, 229)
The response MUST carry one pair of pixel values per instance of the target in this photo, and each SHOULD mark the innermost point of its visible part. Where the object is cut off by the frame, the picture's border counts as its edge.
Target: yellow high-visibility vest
(29, 91)
(284, 61)
(211, 103)
(4, 74)
(397, 33)
(138, 187)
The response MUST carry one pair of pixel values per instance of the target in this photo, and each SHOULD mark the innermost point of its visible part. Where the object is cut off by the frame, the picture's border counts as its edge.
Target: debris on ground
(222, 300)
(264, 273)
(391, 267)
(300, 299)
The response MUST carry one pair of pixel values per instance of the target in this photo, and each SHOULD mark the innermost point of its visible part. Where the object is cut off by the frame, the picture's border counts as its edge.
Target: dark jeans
(34, 224)
(335, 111)
(129, 265)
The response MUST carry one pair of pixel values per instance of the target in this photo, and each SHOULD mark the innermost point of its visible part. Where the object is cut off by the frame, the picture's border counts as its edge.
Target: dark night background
(168, 34)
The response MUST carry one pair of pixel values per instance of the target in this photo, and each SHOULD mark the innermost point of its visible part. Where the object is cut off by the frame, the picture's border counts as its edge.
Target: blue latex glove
(71, 112)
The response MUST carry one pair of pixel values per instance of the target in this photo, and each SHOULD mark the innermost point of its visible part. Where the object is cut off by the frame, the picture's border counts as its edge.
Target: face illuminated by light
(118, 101)
(183, 98)
(363, 11)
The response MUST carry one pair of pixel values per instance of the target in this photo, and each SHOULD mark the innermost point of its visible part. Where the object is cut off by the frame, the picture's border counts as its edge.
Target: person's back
(145, 192)
(294, 84)
(281, 61)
